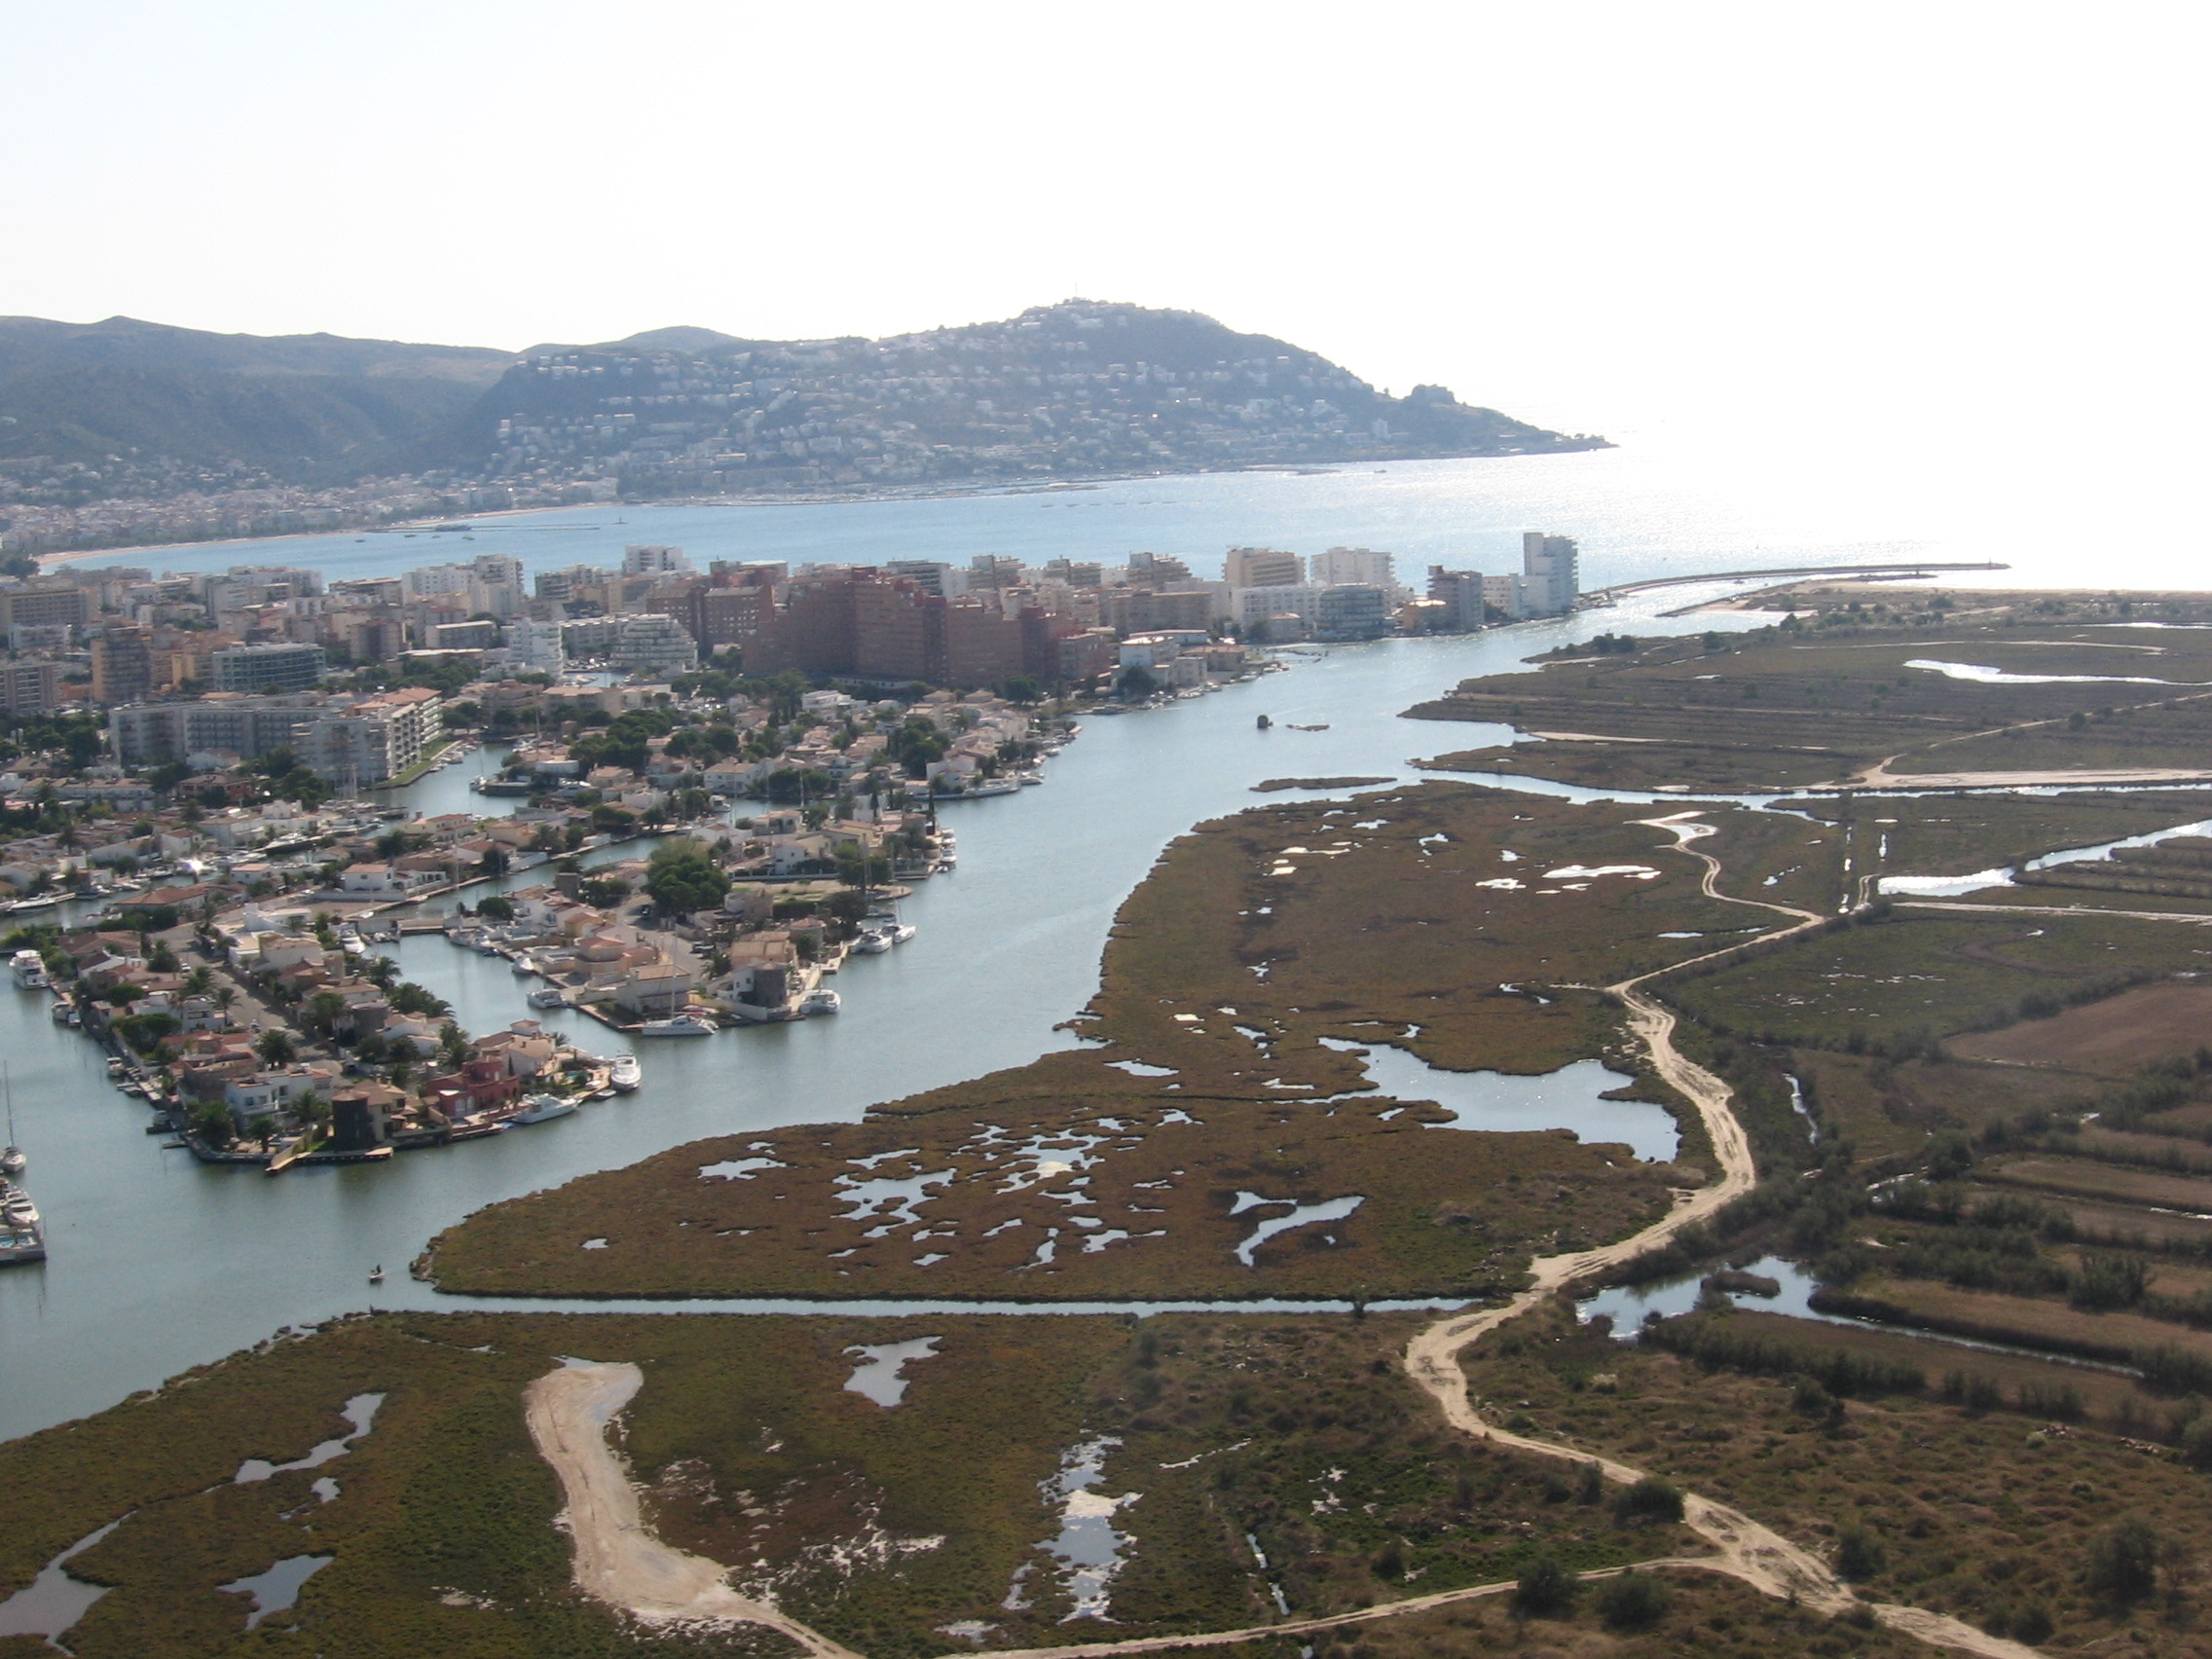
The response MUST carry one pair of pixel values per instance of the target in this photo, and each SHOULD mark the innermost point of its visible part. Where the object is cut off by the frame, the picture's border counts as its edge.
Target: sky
(1955, 230)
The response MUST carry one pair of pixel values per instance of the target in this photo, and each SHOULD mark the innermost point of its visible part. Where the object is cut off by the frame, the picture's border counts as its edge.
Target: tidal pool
(1570, 1098)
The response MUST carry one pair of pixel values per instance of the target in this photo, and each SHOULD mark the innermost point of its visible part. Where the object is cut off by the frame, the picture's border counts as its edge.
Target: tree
(1021, 689)
(1134, 684)
(453, 1046)
(225, 995)
(496, 908)
(198, 981)
(277, 1047)
(605, 892)
(211, 1123)
(682, 878)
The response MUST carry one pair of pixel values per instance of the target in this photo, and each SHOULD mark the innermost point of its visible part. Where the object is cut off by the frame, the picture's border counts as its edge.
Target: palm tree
(197, 982)
(225, 995)
(277, 1046)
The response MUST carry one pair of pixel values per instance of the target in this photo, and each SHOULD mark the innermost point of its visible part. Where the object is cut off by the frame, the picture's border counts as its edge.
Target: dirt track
(618, 1559)
(621, 1563)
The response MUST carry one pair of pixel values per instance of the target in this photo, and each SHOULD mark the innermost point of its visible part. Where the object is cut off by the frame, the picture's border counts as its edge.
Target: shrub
(1859, 1554)
(1634, 1600)
(2123, 1560)
(1649, 1499)
(1545, 1588)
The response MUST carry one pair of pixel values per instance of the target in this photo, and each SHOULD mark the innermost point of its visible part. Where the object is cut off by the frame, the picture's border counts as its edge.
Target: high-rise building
(650, 559)
(1361, 565)
(1351, 611)
(122, 666)
(1258, 567)
(535, 646)
(29, 687)
(266, 668)
(1461, 593)
(43, 605)
(1157, 571)
(653, 644)
(1508, 595)
(1551, 563)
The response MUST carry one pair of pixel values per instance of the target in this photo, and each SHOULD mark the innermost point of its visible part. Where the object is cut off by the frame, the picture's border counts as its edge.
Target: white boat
(13, 1162)
(821, 1001)
(523, 964)
(29, 969)
(683, 1026)
(901, 932)
(626, 1074)
(873, 943)
(538, 1108)
(546, 997)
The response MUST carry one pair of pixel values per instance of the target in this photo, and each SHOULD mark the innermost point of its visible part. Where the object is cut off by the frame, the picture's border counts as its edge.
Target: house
(654, 992)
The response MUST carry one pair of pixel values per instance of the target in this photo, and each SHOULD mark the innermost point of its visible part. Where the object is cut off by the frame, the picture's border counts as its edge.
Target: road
(619, 1561)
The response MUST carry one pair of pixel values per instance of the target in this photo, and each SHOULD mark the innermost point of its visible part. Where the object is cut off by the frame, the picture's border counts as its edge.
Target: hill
(146, 407)
(1079, 388)
(125, 431)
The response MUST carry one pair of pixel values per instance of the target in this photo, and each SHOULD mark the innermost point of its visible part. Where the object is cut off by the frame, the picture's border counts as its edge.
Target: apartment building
(266, 670)
(1258, 568)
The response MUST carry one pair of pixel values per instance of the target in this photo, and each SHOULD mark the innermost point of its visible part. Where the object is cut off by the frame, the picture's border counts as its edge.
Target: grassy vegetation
(1254, 939)
(1227, 1440)
(1909, 974)
(1956, 1506)
(1822, 698)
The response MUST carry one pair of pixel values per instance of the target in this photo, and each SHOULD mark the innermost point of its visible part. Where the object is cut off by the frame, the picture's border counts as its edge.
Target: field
(2108, 1039)
(1967, 1508)
(1481, 919)
(1936, 973)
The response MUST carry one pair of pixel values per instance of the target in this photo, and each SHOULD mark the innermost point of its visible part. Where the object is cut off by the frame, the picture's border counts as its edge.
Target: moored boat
(546, 997)
(626, 1074)
(29, 969)
(824, 1001)
(538, 1108)
(683, 1026)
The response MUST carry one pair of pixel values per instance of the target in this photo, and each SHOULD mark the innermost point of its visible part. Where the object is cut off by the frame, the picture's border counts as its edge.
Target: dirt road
(618, 1559)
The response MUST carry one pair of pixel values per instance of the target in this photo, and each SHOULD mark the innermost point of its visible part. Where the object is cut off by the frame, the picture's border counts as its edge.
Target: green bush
(1633, 1602)
(1649, 1499)
(1546, 1588)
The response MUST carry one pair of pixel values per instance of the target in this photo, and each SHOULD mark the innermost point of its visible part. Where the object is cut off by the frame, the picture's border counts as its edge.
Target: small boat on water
(12, 1163)
(626, 1074)
(538, 1108)
(874, 941)
(683, 1026)
(523, 965)
(376, 1273)
(823, 1001)
(546, 997)
(29, 969)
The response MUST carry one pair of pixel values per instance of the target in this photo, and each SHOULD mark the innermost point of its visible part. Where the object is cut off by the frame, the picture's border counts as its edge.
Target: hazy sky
(1904, 226)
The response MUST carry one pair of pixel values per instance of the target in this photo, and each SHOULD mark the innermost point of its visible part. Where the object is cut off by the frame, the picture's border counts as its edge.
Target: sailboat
(12, 1163)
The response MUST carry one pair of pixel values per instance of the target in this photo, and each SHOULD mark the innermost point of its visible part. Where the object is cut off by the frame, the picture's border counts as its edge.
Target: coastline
(840, 496)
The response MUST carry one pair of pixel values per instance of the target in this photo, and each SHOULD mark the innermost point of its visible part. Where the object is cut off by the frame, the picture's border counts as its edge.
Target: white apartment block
(650, 559)
(1353, 566)
(1300, 599)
